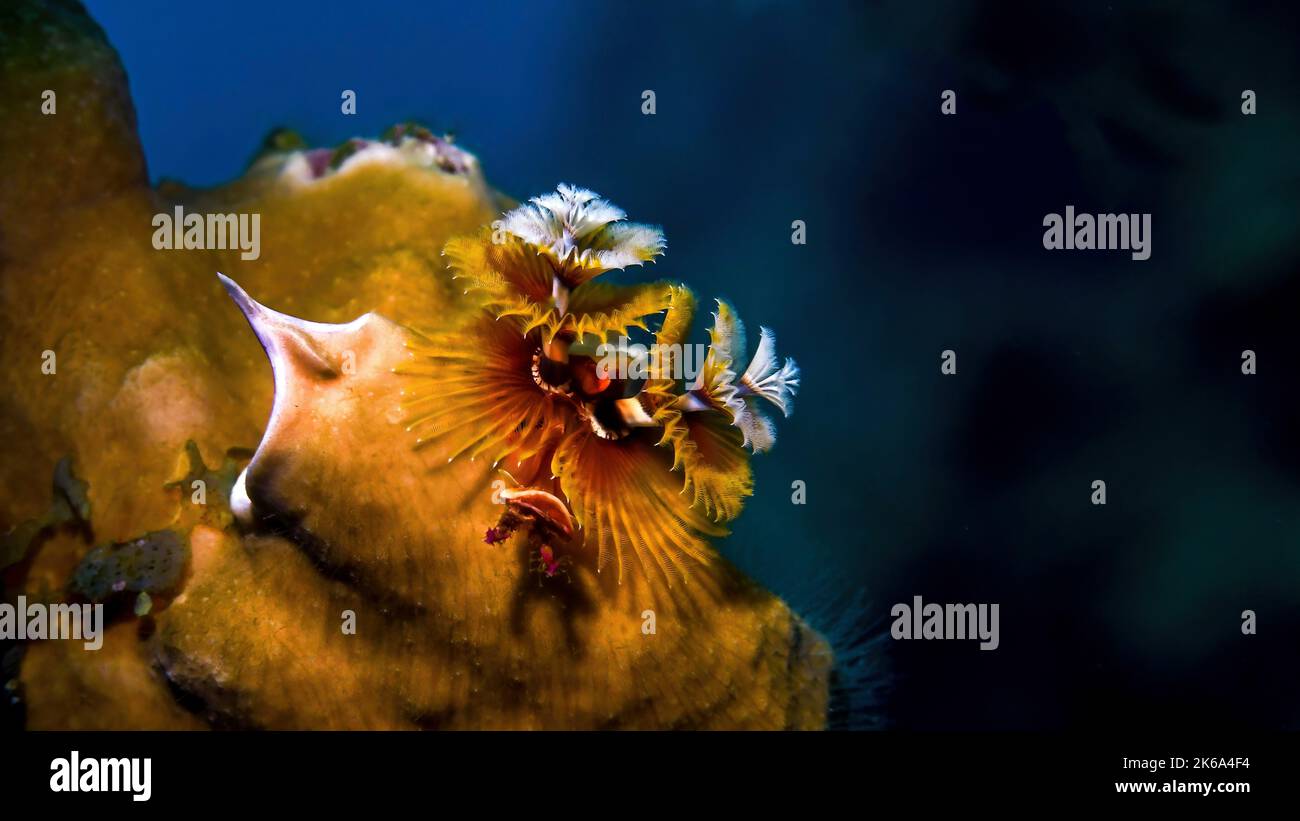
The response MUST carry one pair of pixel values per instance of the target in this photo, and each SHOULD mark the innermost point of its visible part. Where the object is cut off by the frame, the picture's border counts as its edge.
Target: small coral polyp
(405, 144)
(518, 384)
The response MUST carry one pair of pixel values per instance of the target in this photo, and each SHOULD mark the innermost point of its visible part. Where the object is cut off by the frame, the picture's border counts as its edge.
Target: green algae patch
(154, 562)
(205, 492)
(70, 505)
